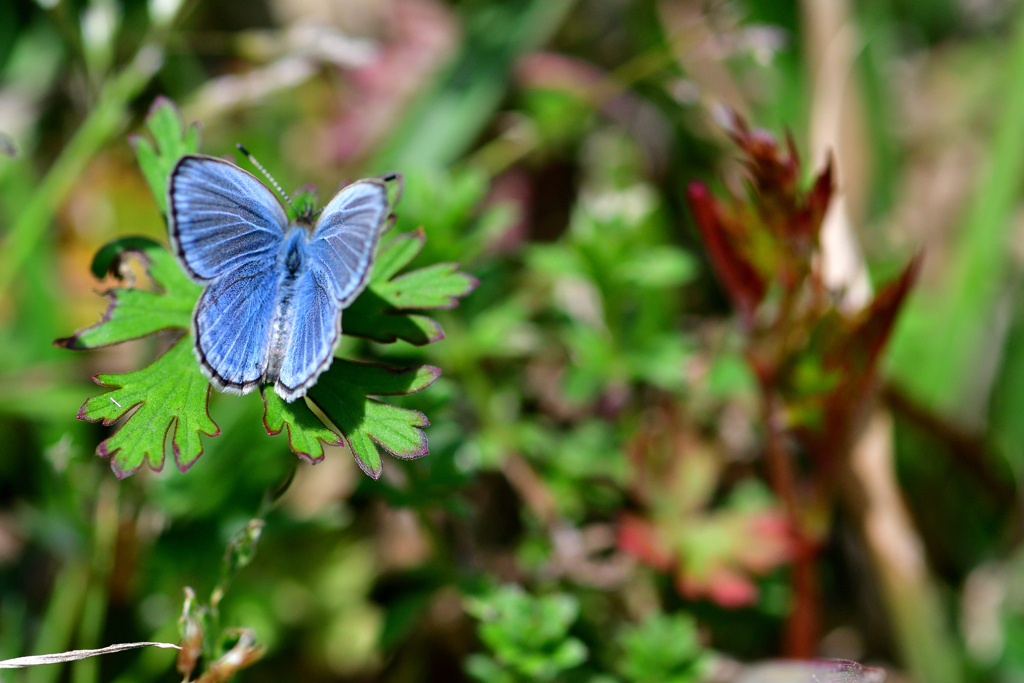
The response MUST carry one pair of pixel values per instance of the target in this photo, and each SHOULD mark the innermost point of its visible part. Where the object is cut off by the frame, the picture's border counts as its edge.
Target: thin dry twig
(72, 655)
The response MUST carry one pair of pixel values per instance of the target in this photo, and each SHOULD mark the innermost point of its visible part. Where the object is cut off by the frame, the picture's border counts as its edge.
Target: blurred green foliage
(597, 437)
(529, 636)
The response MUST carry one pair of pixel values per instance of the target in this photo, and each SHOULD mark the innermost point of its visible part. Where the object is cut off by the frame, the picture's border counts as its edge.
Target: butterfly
(270, 312)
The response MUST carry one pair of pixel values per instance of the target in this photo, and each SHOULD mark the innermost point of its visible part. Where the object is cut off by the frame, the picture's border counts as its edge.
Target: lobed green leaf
(371, 317)
(133, 313)
(172, 139)
(397, 254)
(344, 394)
(167, 399)
(432, 288)
(381, 313)
(307, 435)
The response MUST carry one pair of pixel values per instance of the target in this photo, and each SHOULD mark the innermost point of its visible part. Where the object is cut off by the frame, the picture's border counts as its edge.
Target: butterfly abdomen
(293, 259)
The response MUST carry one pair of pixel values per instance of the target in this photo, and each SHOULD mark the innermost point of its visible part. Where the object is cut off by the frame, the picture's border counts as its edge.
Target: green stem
(102, 123)
(69, 590)
(94, 611)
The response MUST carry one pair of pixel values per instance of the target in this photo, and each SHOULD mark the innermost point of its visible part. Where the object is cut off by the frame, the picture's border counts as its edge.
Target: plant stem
(802, 626)
(69, 590)
(102, 123)
(920, 623)
(94, 609)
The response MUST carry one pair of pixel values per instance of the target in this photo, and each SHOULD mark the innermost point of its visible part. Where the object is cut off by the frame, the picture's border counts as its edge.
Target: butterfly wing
(227, 230)
(346, 236)
(221, 217)
(341, 253)
(232, 326)
(315, 329)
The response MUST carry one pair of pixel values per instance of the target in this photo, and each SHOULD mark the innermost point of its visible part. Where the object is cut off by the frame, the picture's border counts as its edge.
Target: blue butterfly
(274, 289)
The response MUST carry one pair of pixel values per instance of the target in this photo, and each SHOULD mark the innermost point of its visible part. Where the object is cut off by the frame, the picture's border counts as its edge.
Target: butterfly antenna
(265, 172)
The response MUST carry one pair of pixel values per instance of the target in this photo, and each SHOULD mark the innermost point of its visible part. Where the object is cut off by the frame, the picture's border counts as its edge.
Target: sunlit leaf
(435, 287)
(344, 394)
(166, 400)
(307, 435)
(382, 314)
(132, 312)
(172, 139)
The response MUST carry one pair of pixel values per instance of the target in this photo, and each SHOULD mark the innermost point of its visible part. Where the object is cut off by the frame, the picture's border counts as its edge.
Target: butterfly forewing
(346, 235)
(221, 217)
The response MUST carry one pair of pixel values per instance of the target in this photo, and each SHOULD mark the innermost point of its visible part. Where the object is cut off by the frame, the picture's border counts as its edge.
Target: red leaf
(854, 356)
(725, 587)
(871, 329)
(821, 194)
(742, 282)
(639, 538)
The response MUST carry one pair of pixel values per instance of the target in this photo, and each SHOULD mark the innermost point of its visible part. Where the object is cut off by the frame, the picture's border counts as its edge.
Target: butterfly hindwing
(232, 326)
(314, 332)
(221, 217)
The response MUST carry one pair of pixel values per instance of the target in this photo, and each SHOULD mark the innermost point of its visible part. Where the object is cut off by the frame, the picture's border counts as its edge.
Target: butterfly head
(303, 207)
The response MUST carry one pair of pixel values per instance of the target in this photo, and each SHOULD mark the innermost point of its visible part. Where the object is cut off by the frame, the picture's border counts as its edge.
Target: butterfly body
(292, 263)
(274, 289)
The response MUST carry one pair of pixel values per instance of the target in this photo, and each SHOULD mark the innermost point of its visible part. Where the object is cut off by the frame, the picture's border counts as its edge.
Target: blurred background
(595, 505)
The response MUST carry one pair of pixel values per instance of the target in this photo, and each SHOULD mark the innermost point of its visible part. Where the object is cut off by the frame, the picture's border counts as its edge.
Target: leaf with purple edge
(168, 397)
(381, 312)
(344, 394)
(133, 313)
(172, 139)
(307, 435)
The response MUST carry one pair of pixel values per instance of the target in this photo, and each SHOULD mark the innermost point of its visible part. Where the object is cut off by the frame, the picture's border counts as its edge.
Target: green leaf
(432, 288)
(371, 317)
(663, 648)
(529, 634)
(554, 260)
(398, 253)
(172, 139)
(133, 313)
(343, 394)
(658, 267)
(169, 398)
(307, 435)
(380, 312)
